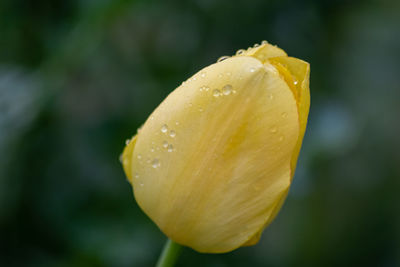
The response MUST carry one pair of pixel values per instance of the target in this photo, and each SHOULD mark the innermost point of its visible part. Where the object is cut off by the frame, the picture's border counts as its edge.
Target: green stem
(169, 254)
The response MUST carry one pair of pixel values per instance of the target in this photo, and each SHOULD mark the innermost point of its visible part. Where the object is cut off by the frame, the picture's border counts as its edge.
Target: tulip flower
(213, 163)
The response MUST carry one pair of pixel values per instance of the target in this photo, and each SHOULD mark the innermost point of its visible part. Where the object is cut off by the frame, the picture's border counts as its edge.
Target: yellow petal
(215, 156)
(264, 52)
(127, 158)
(300, 71)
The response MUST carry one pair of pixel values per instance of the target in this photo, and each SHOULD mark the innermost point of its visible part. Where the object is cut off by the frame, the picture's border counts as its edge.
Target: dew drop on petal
(136, 175)
(170, 148)
(155, 163)
(281, 138)
(223, 58)
(177, 123)
(256, 45)
(271, 96)
(172, 133)
(227, 89)
(252, 69)
(216, 93)
(127, 141)
(152, 149)
(240, 51)
(139, 156)
(284, 115)
(203, 74)
(264, 42)
(165, 144)
(164, 128)
(273, 129)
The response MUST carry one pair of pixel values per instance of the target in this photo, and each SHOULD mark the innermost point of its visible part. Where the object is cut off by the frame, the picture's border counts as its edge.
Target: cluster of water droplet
(242, 51)
(226, 90)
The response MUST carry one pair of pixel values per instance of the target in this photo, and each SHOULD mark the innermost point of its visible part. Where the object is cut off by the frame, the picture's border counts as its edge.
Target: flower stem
(169, 254)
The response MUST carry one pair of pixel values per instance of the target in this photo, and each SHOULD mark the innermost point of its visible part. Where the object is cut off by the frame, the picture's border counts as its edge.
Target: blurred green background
(79, 77)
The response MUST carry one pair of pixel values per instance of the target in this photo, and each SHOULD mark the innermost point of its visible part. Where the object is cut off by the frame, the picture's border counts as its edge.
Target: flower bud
(213, 163)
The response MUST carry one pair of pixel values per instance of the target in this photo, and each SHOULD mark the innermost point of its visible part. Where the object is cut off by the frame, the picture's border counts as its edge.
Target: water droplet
(155, 163)
(223, 58)
(240, 51)
(152, 118)
(200, 109)
(139, 156)
(216, 93)
(172, 133)
(271, 96)
(273, 129)
(281, 138)
(120, 158)
(252, 69)
(295, 82)
(165, 144)
(261, 57)
(164, 128)
(203, 74)
(234, 91)
(136, 175)
(194, 78)
(190, 104)
(177, 123)
(228, 74)
(256, 45)
(127, 141)
(264, 42)
(227, 89)
(183, 83)
(170, 148)
(204, 88)
(220, 75)
(284, 115)
(141, 184)
(152, 149)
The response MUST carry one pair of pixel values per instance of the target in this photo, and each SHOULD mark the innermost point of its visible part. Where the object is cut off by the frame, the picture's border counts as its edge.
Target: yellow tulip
(213, 163)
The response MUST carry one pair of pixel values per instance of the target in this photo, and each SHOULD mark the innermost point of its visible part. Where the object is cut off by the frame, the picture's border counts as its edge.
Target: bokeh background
(79, 77)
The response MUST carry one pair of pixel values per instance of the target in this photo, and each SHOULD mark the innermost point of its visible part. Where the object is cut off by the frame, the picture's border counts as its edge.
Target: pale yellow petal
(127, 158)
(215, 156)
(296, 73)
(264, 51)
(300, 71)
